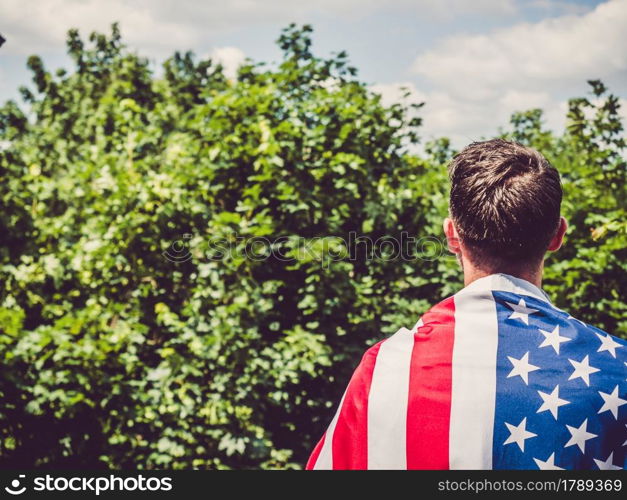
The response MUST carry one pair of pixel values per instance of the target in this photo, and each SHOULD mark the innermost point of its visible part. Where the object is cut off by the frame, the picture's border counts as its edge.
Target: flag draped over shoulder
(494, 377)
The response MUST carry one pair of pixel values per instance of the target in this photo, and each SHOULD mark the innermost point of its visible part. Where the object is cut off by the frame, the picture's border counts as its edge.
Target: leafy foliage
(136, 330)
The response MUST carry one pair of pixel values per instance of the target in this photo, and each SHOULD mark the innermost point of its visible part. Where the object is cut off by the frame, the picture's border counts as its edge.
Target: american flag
(494, 377)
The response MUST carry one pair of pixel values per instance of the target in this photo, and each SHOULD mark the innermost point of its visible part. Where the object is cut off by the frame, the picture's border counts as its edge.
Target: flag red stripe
(429, 405)
(315, 453)
(350, 439)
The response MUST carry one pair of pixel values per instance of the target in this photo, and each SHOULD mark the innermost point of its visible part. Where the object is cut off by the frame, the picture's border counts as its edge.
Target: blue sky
(473, 62)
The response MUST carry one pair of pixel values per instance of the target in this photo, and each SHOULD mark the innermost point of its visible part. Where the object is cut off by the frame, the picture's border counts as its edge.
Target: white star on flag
(607, 465)
(552, 401)
(611, 402)
(579, 436)
(522, 367)
(553, 339)
(607, 344)
(582, 369)
(549, 464)
(521, 311)
(518, 434)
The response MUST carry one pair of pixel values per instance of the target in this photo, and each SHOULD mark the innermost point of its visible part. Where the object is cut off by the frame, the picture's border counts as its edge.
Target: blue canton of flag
(561, 394)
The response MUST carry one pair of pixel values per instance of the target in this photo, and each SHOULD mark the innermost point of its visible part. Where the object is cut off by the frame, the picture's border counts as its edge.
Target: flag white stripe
(387, 403)
(325, 459)
(473, 381)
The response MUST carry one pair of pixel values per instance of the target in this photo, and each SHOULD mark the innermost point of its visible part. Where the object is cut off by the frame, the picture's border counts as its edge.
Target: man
(495, 377)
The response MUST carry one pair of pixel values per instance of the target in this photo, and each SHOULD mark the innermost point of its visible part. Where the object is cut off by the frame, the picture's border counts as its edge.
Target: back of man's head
(505, 203)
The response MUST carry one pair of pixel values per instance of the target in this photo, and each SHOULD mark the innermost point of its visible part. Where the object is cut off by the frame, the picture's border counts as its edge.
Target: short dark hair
(505, 203)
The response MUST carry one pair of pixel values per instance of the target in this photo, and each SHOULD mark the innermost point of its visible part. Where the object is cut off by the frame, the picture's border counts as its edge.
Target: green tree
(130, 359)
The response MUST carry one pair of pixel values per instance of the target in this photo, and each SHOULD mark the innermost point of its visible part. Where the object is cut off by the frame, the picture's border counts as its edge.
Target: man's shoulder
(512, 310)
(529, 308)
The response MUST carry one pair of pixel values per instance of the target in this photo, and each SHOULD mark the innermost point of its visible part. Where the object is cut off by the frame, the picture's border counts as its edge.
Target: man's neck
(472, 273)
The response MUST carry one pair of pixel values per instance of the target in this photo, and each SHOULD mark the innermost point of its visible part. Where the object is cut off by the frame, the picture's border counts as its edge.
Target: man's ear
(452, 238)
(558, 239)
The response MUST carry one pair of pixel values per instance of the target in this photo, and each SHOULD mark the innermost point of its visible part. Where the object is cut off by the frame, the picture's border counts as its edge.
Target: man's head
(504, 207)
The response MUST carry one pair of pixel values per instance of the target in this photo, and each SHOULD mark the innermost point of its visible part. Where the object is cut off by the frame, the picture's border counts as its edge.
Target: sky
(473, 62)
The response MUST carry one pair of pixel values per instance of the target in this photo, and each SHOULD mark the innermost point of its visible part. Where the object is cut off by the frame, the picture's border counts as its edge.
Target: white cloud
(520, 99)
(231, 58)
(158, 27)
(562, 6)
(465, 121)
(446, 9)
(442, 115)
(44, 28)
(394, 92)
(475, 82)
(531, 55)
